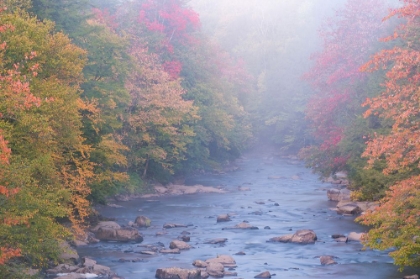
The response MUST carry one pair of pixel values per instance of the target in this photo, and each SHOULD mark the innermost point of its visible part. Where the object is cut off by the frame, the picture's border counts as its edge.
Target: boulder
(178, 244)
(120, 235)
(204, 274)
(242, 226)
(333, 194)
(338, 195)
(107, 225)
(265, 274)
(304, 236)
(216, 241)
(223, 218)
(100, 269)
(200, 264)
(215, 269)
(353, 236)
(348, 208)
(415, 276)
(88, 262)
(284, 238)
(142, 222)
(185, 238)
(177, 273)
(172, 225)
(225, 260)
(68, 254)
(300, 236)
(327, 260)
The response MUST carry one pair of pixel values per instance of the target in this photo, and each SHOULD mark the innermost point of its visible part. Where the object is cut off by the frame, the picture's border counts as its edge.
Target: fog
(276, 40)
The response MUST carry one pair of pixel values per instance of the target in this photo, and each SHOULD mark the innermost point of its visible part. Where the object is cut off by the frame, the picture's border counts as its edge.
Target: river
(302, 204)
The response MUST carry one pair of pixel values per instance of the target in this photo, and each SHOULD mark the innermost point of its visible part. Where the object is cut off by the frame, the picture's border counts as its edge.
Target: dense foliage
(365, 113)
(95, 101)
(98, 97)
(396, 223)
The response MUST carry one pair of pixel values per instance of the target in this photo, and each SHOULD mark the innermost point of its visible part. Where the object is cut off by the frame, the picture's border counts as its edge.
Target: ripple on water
(302, 204)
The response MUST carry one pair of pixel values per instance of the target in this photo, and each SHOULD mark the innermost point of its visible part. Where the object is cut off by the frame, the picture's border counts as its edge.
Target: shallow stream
(302, 204)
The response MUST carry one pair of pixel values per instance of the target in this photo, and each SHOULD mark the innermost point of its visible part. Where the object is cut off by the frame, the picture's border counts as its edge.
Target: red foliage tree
(175, 23)
(348, 40)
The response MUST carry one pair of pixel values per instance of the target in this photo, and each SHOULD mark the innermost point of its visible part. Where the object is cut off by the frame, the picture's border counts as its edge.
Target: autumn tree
(48, 163)
(94, 30)
(157, 126)
(340, 88)
(395, 223)
(209, 78)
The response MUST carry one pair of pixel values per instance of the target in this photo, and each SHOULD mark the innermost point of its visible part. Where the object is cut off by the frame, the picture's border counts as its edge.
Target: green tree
(49, 161)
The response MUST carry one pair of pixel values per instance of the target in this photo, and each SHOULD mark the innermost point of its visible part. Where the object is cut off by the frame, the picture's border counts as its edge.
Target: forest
(101, 97)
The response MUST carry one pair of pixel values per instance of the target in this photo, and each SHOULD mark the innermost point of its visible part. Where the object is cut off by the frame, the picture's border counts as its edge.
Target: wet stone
(327, 260)
(216, 241)
(170, 251)
(171, 226)
(265, 274)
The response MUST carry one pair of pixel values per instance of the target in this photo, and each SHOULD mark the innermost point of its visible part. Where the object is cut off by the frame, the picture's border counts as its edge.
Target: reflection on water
(297, 200)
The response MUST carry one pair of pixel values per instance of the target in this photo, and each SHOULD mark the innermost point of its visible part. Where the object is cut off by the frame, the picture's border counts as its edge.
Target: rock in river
(216, 241)
(121, 235)
(300, 236)
(327, 260)
(177, 273)
(171, 226)
(225, 260)
(265, 274)
(223, 218)
(142, 222)
(178, 244)
(215, 269)
(243, 226)
(348, 208)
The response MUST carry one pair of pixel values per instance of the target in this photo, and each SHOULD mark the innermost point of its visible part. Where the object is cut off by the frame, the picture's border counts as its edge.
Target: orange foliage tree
(15, 96)
(396, 223)
(157, 130)
(44, 166)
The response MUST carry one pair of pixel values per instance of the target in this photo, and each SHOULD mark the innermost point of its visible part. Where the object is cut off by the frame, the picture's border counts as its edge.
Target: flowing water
(302, 205)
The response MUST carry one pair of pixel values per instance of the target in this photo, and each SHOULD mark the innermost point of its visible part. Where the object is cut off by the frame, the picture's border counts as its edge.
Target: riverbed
(277, 195)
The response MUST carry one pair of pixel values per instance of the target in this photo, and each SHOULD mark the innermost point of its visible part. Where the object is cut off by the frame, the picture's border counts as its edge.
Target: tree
(48, 160)
(348, 40)
(208, 77)
(157, 125)
(396, 221)
(95, 31)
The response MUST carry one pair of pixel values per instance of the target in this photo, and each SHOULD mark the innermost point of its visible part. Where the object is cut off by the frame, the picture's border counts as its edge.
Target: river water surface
(302, 204)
